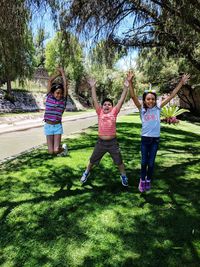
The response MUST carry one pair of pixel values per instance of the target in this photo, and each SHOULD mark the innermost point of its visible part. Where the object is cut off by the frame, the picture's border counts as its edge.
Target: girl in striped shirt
(54, 107)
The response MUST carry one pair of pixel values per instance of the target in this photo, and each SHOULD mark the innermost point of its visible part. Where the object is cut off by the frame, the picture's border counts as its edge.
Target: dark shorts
(104, 146)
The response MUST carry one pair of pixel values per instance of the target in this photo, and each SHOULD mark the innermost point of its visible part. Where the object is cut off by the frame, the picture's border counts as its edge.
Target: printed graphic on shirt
(150, 117)
(150, 122)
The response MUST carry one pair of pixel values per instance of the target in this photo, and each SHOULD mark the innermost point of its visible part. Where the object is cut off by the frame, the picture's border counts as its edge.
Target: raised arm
(92, 83)
(183, 81)
(65, 83)
(51, 79)
(123, 96)
(129, 78)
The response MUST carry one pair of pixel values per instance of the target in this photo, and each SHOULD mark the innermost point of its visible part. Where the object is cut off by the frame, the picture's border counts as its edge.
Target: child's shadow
(151, 199)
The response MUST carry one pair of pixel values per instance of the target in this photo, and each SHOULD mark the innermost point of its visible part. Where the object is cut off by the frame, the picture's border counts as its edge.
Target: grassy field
(28, 86)
(49, 219)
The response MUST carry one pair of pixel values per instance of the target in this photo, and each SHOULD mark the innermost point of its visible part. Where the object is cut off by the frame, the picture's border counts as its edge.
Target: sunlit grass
(27, 86)
(49, 219)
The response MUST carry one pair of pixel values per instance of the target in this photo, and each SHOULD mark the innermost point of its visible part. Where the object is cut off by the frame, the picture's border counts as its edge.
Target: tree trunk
(9, 95)
(9, 89)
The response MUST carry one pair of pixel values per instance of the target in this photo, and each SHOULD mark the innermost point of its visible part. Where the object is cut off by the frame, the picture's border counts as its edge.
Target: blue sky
(43, 19)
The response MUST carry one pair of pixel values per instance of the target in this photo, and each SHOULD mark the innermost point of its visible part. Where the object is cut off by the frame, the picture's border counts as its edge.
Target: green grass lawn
(49, 219)
(28, 86)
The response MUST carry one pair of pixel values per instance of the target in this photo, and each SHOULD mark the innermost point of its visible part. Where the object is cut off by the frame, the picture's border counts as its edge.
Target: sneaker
(84, 177)
(141, 186)
(148, 185)
(64, 152)
(124, 180)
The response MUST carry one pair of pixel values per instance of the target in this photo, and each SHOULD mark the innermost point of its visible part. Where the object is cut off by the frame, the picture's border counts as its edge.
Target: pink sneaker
(141, 186)
(148, 185)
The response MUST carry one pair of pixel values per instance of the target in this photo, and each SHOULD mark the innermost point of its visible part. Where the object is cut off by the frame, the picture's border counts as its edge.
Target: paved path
(26, 135)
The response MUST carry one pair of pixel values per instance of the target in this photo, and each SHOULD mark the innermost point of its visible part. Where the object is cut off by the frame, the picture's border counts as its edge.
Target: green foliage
(106, 53)
(158, 69)
(16, 44)
(65, 50)
(169, 114)
(109, 81)
(40, 37)
(100, 64)
(163, 24)
(164, 73)
(172, 111)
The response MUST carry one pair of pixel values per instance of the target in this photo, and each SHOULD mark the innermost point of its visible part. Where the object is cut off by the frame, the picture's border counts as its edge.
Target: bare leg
(50, 143)
(57, 144)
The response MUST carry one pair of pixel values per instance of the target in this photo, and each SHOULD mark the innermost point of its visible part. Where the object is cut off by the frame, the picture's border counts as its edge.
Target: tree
(16, 44)
(164, 72)
(65, 50)
(41, 36)
(154, 23)
(101, 61)
(104, 52)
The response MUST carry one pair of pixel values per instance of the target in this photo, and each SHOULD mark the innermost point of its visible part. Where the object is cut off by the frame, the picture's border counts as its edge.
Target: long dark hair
(144, 97)
(56, 86)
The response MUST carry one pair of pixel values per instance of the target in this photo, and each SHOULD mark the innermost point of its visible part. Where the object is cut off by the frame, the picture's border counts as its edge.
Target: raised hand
(130, 75)
(126, 83)
(185, 78)
(60, 70)
(92, 82)
(129, 78)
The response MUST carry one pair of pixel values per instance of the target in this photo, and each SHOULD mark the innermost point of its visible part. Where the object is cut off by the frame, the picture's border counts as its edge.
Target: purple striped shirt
(54, 108)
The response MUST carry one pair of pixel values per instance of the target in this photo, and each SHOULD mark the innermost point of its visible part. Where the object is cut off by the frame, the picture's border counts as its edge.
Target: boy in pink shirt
(107, 142)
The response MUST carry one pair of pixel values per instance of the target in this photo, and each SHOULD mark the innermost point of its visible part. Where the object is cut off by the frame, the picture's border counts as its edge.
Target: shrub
(169, 113)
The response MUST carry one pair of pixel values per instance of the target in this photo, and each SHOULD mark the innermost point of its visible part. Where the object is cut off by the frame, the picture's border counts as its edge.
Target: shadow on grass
(48, 218)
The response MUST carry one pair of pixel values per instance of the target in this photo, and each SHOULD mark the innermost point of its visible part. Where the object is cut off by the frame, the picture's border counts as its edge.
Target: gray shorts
(103, 146)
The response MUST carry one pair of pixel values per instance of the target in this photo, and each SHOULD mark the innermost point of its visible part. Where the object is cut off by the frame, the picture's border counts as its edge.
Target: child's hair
(144, 97)
(107, 100)
(56, 86)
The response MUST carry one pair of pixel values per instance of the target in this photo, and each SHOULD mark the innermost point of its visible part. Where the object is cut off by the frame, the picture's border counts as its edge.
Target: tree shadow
(49, 218)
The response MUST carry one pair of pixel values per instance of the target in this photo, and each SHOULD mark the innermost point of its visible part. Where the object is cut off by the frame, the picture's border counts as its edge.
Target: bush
(169, 113)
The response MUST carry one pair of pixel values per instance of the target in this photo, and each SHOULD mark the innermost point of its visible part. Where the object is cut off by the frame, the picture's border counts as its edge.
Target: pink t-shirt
(107, 122)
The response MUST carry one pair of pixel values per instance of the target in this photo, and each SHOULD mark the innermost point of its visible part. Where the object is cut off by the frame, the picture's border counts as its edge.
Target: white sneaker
(84, 177)
(64, 152)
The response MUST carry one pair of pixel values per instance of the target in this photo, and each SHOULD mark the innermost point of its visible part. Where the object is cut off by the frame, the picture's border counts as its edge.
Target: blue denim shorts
(50, 129)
